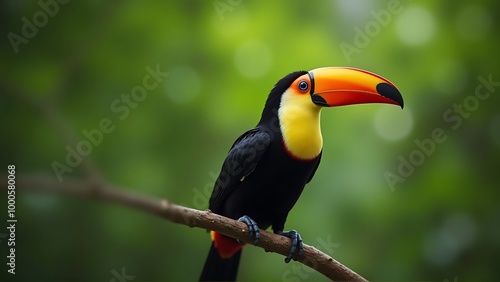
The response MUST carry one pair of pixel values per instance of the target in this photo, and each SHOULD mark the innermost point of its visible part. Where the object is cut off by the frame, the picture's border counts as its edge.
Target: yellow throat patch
(300, 125)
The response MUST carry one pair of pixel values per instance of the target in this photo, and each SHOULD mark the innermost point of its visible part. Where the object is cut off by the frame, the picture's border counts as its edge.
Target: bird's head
(331, 87)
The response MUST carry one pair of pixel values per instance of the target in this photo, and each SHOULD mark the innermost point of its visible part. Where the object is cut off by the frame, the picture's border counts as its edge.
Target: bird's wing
(315, 168)
(240, 162)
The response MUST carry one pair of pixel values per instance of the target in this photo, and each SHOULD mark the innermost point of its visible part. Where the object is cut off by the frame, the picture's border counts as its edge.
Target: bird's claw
(296, 244)
(253, 228)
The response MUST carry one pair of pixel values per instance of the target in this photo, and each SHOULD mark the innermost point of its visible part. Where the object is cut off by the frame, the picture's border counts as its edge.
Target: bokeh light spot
(393, 124)
(415, 26)
(253, 59)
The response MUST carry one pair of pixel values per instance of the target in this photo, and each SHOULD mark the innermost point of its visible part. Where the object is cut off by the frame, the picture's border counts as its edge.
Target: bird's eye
(303, 85)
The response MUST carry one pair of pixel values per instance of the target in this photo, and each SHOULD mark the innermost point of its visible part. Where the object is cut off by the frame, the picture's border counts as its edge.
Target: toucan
(267, 167)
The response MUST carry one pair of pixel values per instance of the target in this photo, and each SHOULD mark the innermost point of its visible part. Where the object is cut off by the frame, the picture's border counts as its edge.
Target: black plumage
(259, 178)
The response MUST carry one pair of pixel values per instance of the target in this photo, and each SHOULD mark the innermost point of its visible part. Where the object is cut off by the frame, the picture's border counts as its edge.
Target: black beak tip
(390, 92)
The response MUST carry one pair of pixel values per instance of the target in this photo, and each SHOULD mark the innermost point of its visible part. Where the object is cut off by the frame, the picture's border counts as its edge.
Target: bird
(267, 167)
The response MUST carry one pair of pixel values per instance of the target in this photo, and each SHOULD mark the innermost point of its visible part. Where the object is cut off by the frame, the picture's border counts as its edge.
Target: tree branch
(270, 242)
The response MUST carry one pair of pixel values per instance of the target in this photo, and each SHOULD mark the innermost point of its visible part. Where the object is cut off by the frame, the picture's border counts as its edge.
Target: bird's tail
(220, 269)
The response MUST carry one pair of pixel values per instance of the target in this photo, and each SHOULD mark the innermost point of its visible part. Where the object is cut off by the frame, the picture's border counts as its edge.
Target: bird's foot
(253, 228)
(297, 245)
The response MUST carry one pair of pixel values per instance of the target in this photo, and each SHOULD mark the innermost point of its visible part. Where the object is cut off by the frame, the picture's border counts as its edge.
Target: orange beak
(339, 86)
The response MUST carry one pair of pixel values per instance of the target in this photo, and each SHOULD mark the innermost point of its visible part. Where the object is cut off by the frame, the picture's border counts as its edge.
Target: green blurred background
(379, 203)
